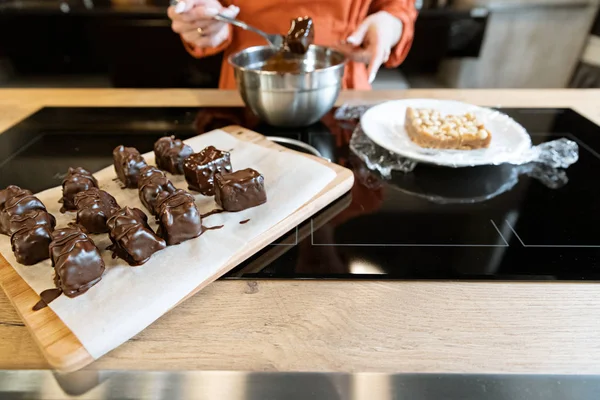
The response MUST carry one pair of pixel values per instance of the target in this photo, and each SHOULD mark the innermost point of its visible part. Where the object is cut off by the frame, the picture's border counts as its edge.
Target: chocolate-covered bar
(17, 204)
(300, 35)
(76, 260)
(178, 217)
(9, 192)
(5, 194)
(30, 245)
(31, 233)
(94, 208)
(152, 183)
(24, 217)
(240, 190)
(77, 180)
(30, 219)
(200, 168)
(128, 162)
(148, 172)
(133, 240)
(170, 153)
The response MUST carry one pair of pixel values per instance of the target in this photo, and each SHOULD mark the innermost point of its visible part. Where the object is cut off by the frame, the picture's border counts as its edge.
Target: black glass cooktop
(494, 223)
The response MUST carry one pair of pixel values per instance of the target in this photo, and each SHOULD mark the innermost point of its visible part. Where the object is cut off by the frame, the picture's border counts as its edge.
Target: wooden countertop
(342, 325)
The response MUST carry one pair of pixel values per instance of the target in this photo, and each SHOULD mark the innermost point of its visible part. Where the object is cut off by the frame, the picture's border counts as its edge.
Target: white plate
(384, 125)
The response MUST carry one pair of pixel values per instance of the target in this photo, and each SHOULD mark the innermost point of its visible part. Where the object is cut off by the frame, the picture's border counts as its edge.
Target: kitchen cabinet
(528, 44)
(124, 47)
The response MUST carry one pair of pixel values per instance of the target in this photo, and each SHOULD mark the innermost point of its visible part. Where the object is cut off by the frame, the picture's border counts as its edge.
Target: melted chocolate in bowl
(297, 41)
(279, 63)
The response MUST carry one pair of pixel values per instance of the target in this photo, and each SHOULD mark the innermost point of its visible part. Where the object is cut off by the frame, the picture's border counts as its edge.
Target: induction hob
(529, 228)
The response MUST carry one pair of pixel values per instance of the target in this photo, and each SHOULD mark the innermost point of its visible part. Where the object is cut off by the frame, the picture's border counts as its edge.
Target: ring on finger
(200, 31)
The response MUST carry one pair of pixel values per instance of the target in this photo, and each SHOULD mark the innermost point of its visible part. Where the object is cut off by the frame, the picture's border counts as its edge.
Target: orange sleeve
(199, 52)
(406, 12)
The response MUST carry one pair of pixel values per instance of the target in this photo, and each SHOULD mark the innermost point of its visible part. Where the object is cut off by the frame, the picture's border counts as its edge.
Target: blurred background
(458, 44)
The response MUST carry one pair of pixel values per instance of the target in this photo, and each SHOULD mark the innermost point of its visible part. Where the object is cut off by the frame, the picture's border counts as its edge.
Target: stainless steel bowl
(289, 99)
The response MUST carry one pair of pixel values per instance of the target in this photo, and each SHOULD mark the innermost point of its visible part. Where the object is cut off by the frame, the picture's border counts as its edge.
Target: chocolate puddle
(46, 297)
(211, 228)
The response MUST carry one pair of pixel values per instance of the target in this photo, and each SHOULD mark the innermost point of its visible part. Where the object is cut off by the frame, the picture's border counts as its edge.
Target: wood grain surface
(385, 326)
(64, 351)
(16, 104)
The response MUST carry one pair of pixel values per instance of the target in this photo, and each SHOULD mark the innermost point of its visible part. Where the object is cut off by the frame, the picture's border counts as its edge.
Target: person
(371, 33)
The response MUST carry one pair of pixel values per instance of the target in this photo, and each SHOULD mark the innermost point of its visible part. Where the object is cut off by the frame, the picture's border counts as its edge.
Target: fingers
(354, 53)
(214, 40)
(206, 27)
(202, 9)
(379, 53)
(372, 56)
(358, 36)
(205, 12)
(196, 13)
(375, 63)
(231, 11)
(197, 26)
(183, 6)
(380, 56)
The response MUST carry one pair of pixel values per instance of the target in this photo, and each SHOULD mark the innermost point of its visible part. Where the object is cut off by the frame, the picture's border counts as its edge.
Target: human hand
(193, 20)
(373, 40)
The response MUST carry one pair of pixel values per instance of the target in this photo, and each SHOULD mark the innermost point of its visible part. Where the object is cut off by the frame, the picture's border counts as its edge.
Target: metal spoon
(274, 40)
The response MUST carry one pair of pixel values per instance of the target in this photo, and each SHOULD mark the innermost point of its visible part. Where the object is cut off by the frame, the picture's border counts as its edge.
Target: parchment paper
(128, 299)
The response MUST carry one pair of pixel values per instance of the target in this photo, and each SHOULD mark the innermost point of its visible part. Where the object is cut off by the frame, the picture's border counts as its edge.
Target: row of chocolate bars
(77, 262)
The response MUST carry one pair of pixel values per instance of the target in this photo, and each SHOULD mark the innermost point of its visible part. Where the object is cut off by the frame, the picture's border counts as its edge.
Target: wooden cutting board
(63, 350)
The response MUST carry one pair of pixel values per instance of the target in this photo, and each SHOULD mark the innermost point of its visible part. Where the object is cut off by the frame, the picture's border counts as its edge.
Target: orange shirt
(334, 21)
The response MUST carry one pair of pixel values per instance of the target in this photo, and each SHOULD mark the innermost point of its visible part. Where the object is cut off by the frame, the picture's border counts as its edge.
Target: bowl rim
(261, 72)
